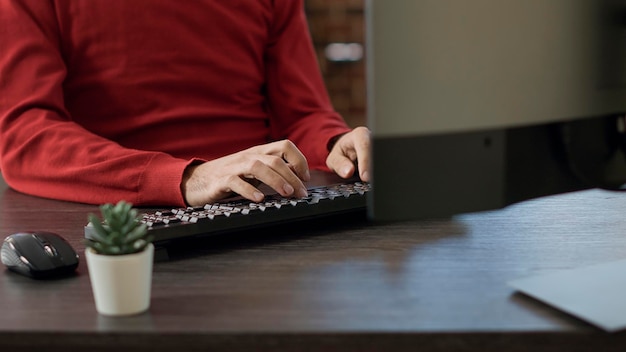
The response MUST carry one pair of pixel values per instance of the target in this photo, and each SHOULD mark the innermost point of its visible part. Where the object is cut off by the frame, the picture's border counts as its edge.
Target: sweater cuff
(161, 179)
(321, 149)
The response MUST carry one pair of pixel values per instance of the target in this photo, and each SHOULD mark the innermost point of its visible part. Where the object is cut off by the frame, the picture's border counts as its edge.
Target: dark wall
(340, 21)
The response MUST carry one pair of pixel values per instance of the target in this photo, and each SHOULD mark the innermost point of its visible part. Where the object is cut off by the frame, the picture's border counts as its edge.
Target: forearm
(43, 156)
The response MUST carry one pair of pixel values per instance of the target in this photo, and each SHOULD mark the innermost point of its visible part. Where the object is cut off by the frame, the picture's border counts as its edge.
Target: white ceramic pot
(121, 284)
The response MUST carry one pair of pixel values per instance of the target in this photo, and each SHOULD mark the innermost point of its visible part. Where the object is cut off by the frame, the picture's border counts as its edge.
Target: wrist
(187, 181)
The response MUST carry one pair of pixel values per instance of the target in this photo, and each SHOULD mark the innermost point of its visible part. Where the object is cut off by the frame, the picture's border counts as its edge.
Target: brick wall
(340, 21)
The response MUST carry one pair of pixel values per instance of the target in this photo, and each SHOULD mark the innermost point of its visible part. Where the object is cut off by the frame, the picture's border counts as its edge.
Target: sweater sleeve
(299, 103)
(42, 151)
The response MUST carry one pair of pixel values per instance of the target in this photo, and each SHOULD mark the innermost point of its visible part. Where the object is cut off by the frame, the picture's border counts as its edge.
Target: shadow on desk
(325, 231)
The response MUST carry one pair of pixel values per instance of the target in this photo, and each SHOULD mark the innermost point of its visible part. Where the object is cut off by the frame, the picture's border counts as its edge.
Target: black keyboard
(239, 214)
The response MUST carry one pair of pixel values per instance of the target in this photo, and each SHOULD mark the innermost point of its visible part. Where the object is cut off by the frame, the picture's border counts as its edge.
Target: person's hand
(279, 165)
(351, 150)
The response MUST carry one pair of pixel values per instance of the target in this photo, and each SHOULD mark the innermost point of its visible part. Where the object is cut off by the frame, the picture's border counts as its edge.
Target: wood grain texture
(335, 285)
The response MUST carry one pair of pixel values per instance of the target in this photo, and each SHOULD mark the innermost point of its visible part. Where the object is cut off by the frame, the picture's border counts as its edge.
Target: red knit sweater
(102, 100)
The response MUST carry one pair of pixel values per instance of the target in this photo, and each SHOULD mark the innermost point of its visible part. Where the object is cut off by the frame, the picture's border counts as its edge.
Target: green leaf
(120, 231)
(100, 233)
(137, 233)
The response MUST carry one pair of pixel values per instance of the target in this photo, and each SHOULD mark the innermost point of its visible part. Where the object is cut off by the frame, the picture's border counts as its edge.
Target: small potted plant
(119, 256)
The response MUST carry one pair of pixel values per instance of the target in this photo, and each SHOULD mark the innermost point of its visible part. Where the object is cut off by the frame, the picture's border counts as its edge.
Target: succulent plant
(120, 232)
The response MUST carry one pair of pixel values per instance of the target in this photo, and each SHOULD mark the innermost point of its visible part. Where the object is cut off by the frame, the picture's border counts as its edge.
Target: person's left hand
(351, 150)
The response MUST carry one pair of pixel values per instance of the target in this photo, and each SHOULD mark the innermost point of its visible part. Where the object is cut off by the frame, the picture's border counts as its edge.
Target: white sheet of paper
(596, 294)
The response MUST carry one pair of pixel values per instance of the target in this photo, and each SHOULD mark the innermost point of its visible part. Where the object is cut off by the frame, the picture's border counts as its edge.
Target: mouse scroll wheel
(49, 250)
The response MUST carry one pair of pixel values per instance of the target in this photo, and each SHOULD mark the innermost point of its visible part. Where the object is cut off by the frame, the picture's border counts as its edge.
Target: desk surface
(433, 285)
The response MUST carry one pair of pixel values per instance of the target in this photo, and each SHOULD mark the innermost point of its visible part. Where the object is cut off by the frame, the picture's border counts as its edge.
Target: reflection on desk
(338, 285)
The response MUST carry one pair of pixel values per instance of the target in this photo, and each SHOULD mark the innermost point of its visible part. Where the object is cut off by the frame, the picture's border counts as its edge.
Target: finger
(274, 172)
(292, 156)
(362, 149)
(352, 148)
(298, 163)
(243, 188)
(340, 164)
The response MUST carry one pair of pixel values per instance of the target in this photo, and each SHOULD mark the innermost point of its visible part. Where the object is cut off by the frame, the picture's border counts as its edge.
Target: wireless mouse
(38, 254)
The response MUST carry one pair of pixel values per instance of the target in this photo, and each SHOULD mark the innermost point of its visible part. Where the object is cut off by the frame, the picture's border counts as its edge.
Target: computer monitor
(477, 104)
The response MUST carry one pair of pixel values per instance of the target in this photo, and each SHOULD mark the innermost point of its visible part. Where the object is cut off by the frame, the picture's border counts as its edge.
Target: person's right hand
(279, 165)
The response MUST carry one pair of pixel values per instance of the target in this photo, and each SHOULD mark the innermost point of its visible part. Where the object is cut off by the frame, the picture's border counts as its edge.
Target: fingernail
(288, 189)
(365, 176)
(307, 175)
(346, 171)
(303, 192)
(258, 196)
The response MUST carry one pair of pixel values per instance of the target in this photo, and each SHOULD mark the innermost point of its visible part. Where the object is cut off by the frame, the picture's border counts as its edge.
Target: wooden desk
(423, 286)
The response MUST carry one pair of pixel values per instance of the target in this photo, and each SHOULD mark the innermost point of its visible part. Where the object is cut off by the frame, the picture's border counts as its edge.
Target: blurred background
(338, 32)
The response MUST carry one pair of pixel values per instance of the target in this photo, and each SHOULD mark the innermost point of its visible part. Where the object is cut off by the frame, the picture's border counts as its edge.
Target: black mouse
(39, 254)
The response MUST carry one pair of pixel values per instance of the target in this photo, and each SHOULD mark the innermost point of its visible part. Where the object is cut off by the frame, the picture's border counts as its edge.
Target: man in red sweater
(165, 102)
